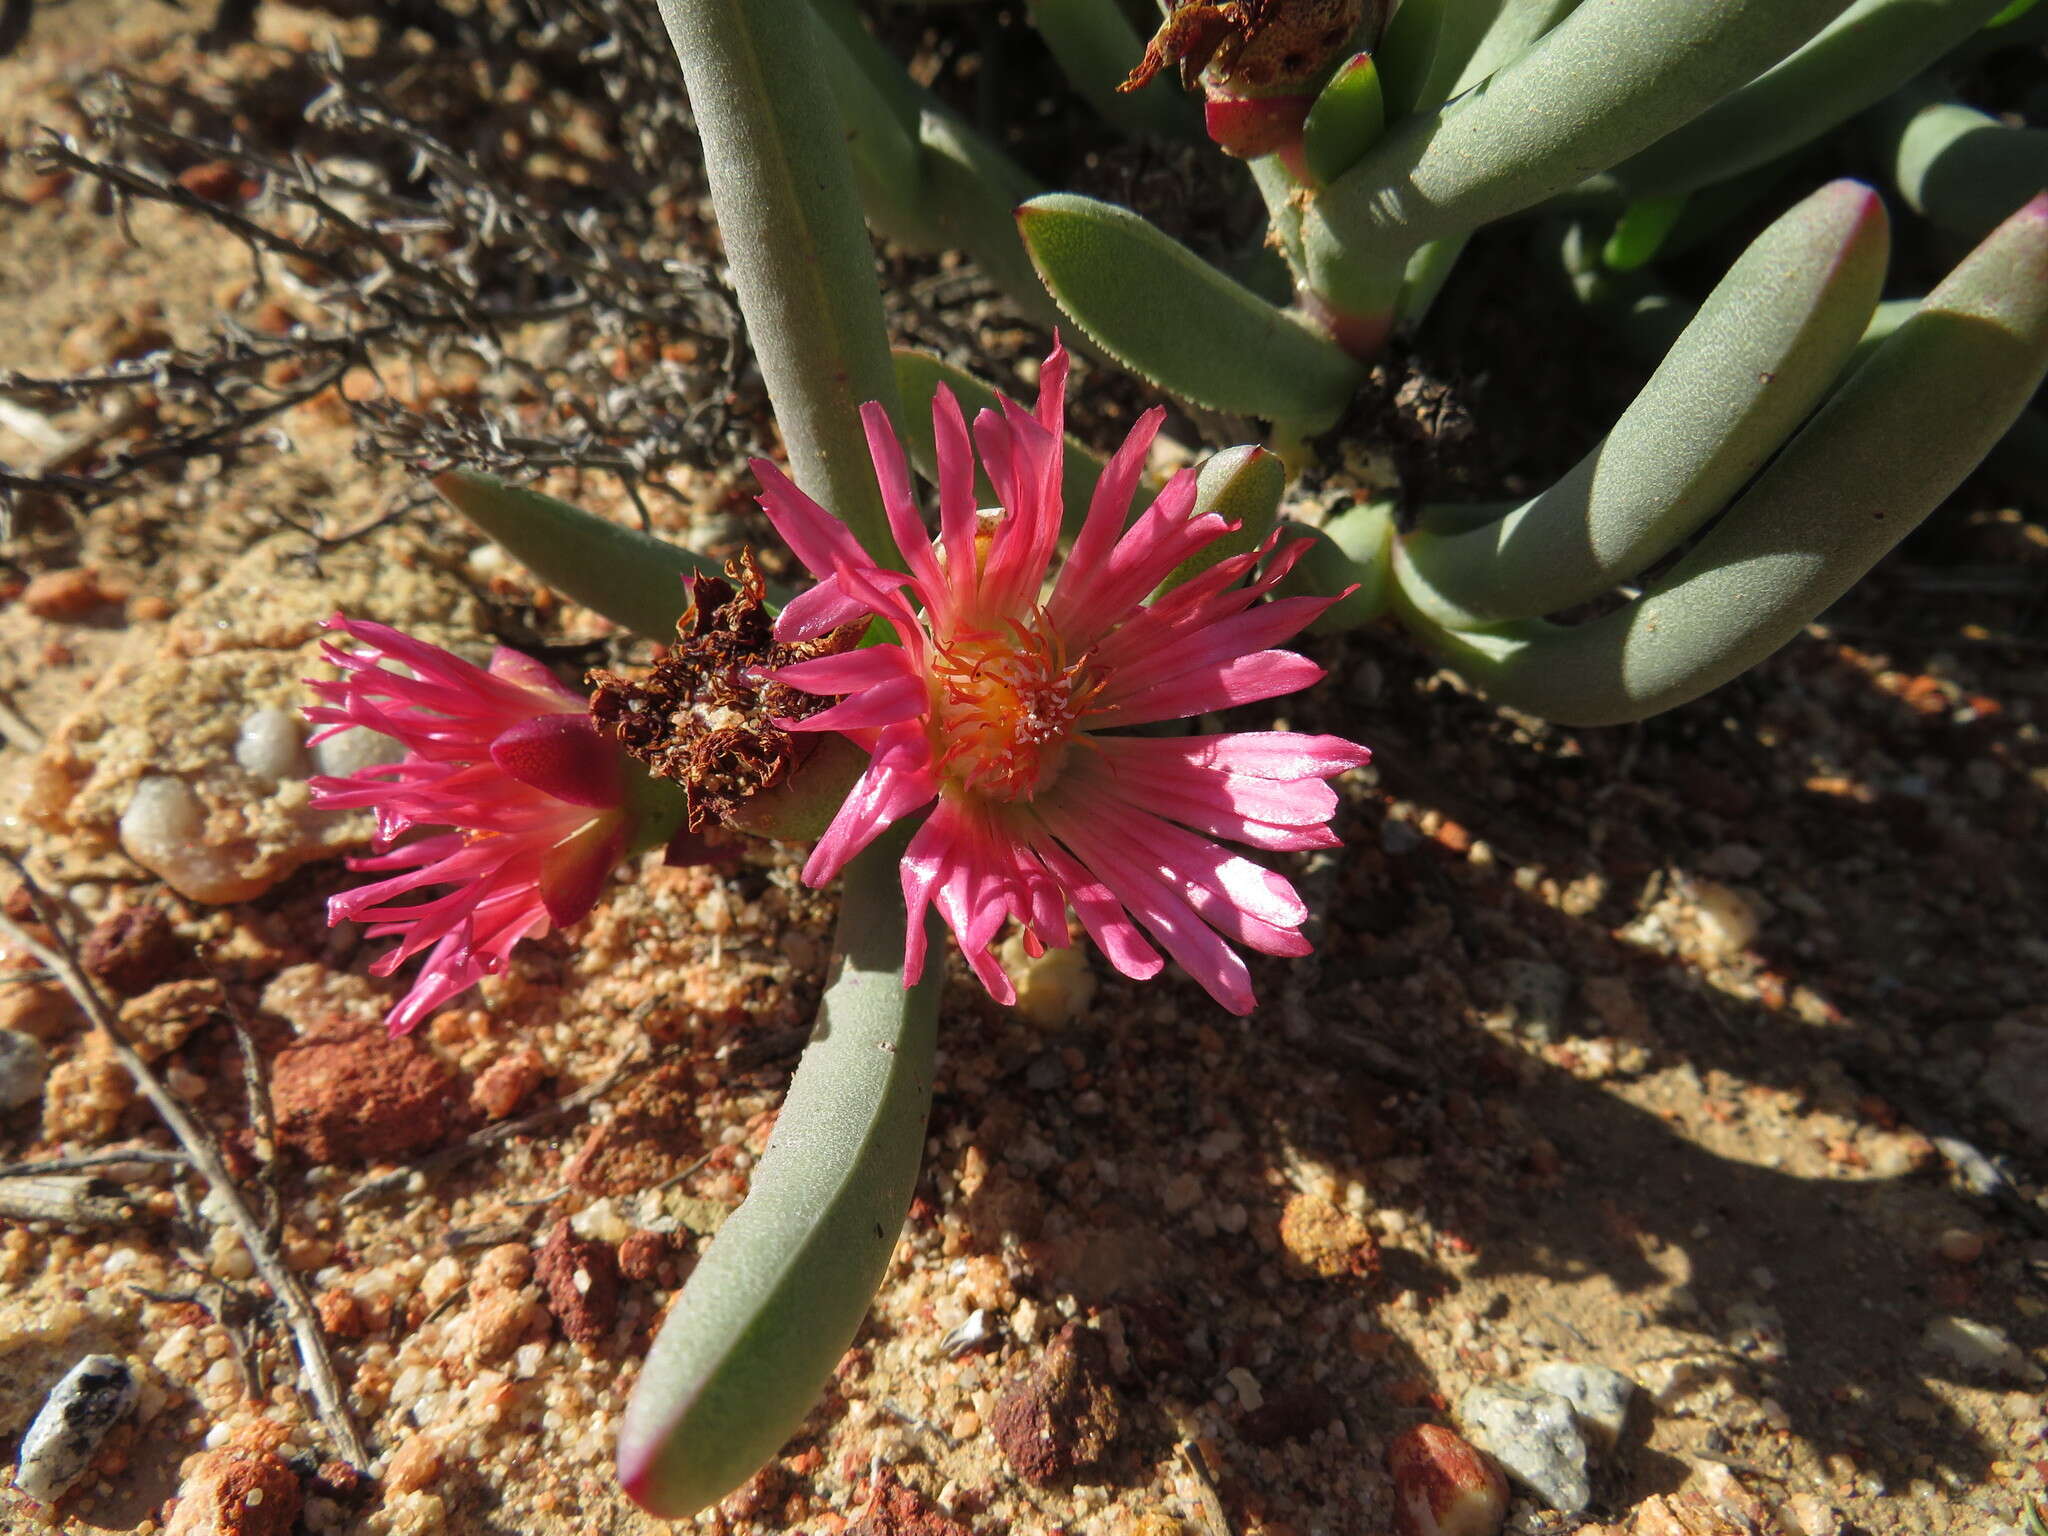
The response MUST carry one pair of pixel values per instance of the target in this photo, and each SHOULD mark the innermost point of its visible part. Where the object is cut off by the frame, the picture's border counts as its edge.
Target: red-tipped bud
(1250, 126)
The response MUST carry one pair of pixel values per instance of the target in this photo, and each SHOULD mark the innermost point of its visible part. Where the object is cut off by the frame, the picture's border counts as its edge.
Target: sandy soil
(1711, 1050)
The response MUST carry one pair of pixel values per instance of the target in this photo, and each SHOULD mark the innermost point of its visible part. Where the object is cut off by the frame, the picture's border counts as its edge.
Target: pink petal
(848, 672)
(1196, 947)
(956, 496)
(892, 475)
(816, 537)
(1210, 646)
(899, 698)
(1246, 680)
(1101, 914)
(1259, 754)
(1108, 507)
(818, 611)
(897, 782)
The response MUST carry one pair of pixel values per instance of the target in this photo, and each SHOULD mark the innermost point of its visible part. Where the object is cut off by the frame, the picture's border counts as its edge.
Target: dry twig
(200, 1146)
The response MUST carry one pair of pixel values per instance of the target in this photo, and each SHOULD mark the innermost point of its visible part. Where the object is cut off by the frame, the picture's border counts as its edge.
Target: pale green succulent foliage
(1794, 429)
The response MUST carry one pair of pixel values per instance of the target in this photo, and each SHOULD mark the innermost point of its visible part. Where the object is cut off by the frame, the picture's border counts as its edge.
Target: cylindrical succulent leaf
(1354, 550)
(881, 128)
(1609, 80)
(1960, 168)
(1095, 45)
(1870, 50)
(632, 578)
(1880, 455)
(1173, 319)
(1518, 25)
(1759, 355)
(794, 237)
(782, 1288)
(1425, 48)
(1639, 232)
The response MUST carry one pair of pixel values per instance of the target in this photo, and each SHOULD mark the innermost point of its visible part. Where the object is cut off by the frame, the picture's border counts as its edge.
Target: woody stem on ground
(782, 186)
(205, 1155)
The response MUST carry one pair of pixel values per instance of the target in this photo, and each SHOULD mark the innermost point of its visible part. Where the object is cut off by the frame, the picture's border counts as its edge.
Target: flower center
(1005, 708)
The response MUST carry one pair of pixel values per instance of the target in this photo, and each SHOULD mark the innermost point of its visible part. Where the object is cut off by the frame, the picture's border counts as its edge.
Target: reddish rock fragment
(581, 1278)
(236, 1492)
(341, 1315)
(504, 1085)
(653, 1137)
(1060, 1419)
(894, 1510)
(1444, 1486)
(133, 949)
(760, 1496)
(69, 594)
(642, 1253)
(351, 1093)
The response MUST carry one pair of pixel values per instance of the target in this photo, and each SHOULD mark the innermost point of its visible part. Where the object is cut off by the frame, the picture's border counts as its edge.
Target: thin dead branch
(322, 1383)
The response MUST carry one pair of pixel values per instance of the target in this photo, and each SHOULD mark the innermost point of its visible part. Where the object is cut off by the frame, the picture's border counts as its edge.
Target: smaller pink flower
(534, 807)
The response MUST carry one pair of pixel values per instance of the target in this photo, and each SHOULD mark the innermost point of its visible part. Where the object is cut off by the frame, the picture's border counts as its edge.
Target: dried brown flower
(703, 715)
(1252, 44)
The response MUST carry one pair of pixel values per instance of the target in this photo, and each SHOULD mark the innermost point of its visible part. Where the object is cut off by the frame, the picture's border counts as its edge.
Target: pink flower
(998, 698)
(537, 807)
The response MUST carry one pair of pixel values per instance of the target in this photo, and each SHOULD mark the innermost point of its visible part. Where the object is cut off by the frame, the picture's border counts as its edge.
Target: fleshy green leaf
(1870, 50)
(781, 1290)
(1640, 231)
(1425, 47)
(1759, 355)
(1173, 319)
(1606, 82)
(632, 578)
(794, 238)
(1881, 454)
(918, 376)
(1240, 485)
(1346, 119)
(1958, 167)
(1518, 27)
(1353, 549)
(1096, 46)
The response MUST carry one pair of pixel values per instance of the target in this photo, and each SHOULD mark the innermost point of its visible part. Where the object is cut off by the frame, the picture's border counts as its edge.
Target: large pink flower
(999, 695)
(535, 807)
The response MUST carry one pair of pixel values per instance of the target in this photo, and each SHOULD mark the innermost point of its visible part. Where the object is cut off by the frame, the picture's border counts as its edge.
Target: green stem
(783, 188)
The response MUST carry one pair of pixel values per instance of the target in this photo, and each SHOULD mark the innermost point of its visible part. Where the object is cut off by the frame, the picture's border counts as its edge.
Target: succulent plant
(1793, 430)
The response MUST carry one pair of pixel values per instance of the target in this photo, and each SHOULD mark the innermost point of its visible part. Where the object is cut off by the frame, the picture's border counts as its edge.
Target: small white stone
(1727, 917)
(1979, 1347)
(95, 1395)
(164, 830)
(271, 746)
(353, 750)
(1535, 1437)
(1598, 1394)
